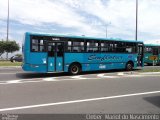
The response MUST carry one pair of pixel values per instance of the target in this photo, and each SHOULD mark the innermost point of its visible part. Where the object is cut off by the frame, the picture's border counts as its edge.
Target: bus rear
(152, 54)
(35, 55)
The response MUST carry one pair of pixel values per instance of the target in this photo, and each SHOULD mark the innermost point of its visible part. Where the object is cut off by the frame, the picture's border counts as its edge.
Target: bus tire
(129, 66)
(74, 69)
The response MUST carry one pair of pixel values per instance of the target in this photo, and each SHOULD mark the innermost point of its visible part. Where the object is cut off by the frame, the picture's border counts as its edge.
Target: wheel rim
(74, 69)
(129, 67)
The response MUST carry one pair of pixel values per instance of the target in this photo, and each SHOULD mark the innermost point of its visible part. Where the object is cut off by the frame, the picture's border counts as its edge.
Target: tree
(2, 49)
(11, 46)
(8, 46)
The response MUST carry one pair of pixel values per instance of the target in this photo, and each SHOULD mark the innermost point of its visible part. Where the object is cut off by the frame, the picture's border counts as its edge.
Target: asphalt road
(98, 92)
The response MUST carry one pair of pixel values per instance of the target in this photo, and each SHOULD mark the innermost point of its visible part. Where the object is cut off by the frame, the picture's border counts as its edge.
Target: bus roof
(81, 37)
(152, 45)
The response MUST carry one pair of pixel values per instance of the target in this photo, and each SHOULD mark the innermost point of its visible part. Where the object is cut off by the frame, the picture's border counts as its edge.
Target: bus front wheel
(74, 69)
(129, 66)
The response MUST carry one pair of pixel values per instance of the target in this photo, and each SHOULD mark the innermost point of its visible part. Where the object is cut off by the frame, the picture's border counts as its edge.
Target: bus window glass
(78, 46)
(41, 42)
(148, 50)
(75, 45)
(130, 47)
(34, 41)
(92, 46)
(129, 50)
(104, 47)
(110, 46)
(37, 44)
(35, 48)
(41, 48)
(155, 51)
(121, 47)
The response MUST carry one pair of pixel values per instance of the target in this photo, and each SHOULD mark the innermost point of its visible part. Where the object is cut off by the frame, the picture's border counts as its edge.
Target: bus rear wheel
(129, 66)
(74, 69)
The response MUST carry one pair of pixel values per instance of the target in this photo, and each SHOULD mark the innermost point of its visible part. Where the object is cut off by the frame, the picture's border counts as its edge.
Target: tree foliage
(2, 50)
(8, 46)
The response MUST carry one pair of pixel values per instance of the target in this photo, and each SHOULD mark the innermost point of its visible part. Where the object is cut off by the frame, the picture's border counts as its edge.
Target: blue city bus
(152, 54)
(74, 54)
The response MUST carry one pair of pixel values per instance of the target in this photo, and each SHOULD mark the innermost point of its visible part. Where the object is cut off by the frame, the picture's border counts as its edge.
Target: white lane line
(74, 78)
(120, 74)
(77, 101)
(19, 81)
(103, 76)
(14, 81)
(43, 80)
(49, 79)
(133, 76)
(78, 77)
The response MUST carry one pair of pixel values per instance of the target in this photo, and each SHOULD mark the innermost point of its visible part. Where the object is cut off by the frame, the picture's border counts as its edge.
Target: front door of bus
(140, 55)
(55, 56)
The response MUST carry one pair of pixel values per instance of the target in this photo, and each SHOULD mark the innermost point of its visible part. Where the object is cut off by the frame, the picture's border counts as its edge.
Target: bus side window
(34, 45)
(37, 44)
(130, 47)
(155, 51)
(104, 47)
(92, 46)
(78, 46)
(69, 46)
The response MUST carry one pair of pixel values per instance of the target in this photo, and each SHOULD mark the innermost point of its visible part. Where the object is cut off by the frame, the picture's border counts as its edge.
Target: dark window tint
(75, 45)
(155, 51)
(92, 46)
(37, 44)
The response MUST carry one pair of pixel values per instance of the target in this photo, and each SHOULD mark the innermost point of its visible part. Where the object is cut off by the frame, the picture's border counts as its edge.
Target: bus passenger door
(51, 56)
(59, 56)
(140, 54)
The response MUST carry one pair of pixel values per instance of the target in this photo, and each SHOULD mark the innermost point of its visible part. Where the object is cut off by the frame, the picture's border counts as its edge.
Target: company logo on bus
(105, 57)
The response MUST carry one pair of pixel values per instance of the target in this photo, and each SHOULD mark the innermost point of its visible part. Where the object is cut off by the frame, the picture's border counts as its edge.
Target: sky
(82, 17)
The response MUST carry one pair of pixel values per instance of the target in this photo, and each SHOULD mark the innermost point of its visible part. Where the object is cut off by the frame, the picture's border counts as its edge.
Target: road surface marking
(120, 74)
(77, 101)
(49, 79)
(79, 77)
(14, 81)
(103, 76)
(73, 78)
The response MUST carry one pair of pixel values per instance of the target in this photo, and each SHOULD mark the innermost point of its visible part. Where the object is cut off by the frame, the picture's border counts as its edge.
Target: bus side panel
(36, 62)
(100, 61)
(148, 59)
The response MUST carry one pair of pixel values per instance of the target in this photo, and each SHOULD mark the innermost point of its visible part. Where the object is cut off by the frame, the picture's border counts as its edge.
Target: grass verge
(8, 63)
